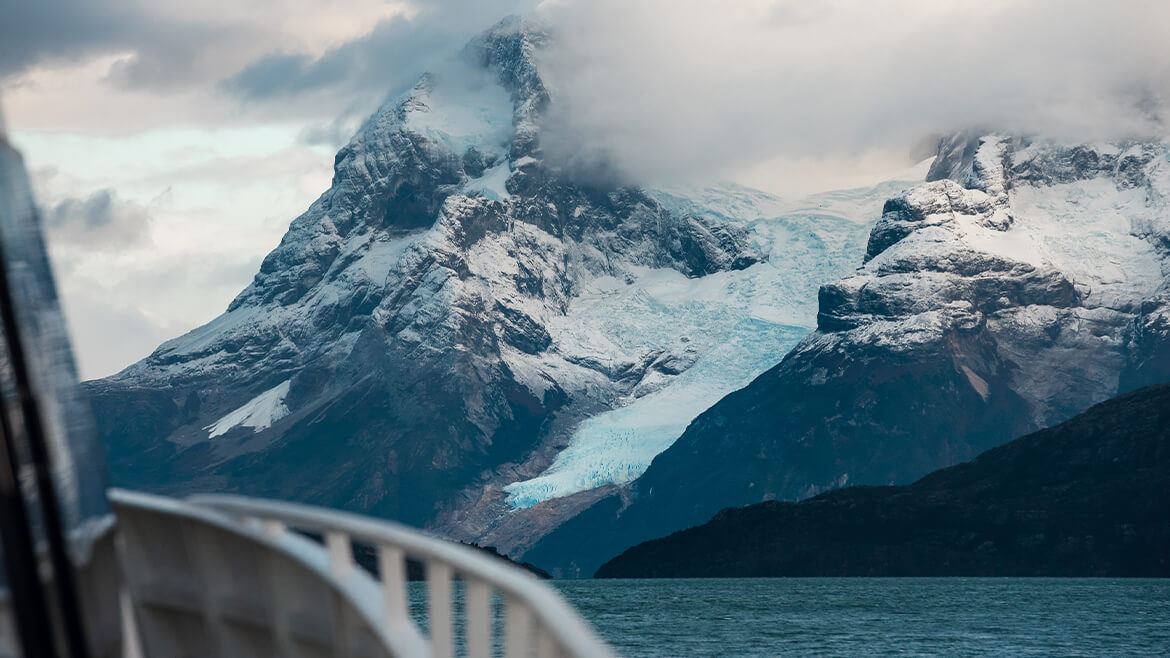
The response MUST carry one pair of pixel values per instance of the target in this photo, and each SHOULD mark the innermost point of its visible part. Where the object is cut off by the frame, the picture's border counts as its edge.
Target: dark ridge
(1088, 497)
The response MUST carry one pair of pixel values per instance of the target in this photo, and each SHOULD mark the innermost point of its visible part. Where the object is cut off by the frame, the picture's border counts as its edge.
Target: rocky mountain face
(401, 341)
(1024, 282)
(1088, 497)
(462, 335)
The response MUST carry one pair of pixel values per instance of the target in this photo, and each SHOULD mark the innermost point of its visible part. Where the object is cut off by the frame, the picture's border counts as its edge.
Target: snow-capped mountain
(457, 330)
(738, 324)
(1026, 281)
(462, 335)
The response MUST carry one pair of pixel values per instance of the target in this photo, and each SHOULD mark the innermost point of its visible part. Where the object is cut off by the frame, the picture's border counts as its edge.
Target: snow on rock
(1053, 248)
(464, 109)
(259, 413)
(492, 184)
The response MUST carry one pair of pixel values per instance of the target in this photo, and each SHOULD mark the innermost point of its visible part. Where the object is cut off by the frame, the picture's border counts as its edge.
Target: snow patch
(463, 113)
(259, 413)
(1087, 231)
(492, 184)
(381, 256)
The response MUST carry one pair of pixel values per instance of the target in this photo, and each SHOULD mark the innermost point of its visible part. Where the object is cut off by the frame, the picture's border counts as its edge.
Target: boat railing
(536, 620)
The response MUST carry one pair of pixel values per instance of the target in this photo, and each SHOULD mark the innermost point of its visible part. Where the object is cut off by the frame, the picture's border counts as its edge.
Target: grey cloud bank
(680, 88)
(99, 221)
(756, 91)
(699, 89)
(33, 31)
(166, 50)
(349, 78)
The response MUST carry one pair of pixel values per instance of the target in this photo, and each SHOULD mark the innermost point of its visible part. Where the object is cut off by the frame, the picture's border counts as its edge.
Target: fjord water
(878, 616)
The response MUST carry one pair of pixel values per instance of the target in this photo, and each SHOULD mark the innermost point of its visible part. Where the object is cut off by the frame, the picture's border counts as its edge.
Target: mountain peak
(411, 327)
(510, 48)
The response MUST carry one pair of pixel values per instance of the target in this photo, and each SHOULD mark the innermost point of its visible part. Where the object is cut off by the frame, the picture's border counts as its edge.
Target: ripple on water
(878, 616)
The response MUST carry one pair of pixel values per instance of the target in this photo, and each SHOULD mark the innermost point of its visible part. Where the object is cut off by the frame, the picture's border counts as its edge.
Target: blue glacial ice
(735, 325)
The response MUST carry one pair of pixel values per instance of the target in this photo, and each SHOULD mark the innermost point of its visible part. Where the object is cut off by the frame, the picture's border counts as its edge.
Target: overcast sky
(171, 142)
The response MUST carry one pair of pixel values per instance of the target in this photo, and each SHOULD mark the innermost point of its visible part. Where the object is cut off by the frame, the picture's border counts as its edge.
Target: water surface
(878, 616)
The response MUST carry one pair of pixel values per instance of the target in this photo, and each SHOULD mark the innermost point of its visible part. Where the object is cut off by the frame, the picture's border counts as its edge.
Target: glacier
(727, 327)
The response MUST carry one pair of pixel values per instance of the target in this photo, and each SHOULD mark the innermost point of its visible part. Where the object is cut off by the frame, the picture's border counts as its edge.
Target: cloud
(330, 133)
(685, 88)
(165, 49)
(389, 57)
(653, 85)
(207, 99)
(107, 332)
(36, 30)
(118, 317)
(116, 66)
(98, 222)
(166, 45)
(193, 216)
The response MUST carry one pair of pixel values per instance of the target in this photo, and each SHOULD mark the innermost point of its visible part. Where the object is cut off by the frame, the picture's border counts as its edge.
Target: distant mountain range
(466, 335)
(1026, 281)
(1089, 497)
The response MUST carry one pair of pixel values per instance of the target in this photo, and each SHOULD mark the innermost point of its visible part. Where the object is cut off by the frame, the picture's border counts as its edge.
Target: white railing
(537, 621)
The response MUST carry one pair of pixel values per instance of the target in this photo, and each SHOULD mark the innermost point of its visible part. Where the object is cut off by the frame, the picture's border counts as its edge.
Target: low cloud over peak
(390, 56)
(684, 88)
(236, 108)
